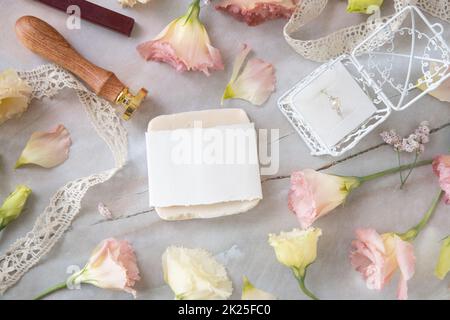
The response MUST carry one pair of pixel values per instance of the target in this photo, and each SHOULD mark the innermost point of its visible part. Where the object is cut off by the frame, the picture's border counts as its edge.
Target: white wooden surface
(240, 241)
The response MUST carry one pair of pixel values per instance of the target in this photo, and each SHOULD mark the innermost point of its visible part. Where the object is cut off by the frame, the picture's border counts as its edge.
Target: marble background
(239, 241)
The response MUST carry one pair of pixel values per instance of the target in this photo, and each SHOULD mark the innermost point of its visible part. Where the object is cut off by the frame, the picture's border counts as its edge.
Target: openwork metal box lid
(400, 62)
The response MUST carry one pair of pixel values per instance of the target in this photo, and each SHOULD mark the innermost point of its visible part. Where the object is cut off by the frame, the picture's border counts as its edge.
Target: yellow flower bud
(443, 266)
(13, 205)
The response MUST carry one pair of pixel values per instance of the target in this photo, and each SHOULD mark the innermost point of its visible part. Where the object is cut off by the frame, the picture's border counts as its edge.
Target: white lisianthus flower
(131, 3)
(194, 274)
(14, 95)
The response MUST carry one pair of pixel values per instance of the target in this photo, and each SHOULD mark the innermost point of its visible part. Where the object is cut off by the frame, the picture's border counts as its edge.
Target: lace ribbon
(46, 81)
(345, 40)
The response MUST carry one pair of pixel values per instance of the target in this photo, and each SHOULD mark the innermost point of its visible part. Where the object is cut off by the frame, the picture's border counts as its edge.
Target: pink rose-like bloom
(441, 167)
(254, 12)
(377, 257)
(314, 194)
(112, 265)
(184, 44)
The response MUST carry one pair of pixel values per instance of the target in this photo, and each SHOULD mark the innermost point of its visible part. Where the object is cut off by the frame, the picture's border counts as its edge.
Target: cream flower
(184, 44)
(254, 82)
(14, 95)
(131, 3)
(254, 12)
(13, 205)
(364, 6)
(194, 274)
(112, 265)
(296, 249)
(314, 194)
(46, 149)
(249, 292)
(443, 266)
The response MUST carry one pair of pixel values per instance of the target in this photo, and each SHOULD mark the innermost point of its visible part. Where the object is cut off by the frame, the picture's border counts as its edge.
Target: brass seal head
(130, 102)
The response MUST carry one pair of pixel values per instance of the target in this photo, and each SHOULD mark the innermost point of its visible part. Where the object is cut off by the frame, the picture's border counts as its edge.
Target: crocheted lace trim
(47, 81)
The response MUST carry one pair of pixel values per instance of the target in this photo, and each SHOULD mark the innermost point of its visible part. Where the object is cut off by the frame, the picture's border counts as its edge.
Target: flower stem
(394, 170)
(193, 11)
(400, 164)
(49, 291)
(410, 170)
(412, 233)
(301, 282)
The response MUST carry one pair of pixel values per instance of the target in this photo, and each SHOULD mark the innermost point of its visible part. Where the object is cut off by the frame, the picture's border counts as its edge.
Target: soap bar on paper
(209, 119)
(96, 14)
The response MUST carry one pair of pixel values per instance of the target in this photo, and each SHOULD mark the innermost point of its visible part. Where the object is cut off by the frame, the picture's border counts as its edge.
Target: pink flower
(441, 167)
(184, 44)
(377, 258)
(253, 82)
(314, 194)
(254, 12)
(46, 149)
(112, 265)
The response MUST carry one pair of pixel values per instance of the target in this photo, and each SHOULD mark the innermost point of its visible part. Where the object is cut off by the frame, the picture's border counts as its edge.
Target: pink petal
(46, 149)
(441, 167)
(104, 211)
(254, 12)
(253, 82)
(406, 262)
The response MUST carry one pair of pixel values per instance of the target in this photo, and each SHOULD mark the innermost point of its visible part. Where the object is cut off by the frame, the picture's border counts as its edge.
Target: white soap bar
(313, 103)
(198, 166)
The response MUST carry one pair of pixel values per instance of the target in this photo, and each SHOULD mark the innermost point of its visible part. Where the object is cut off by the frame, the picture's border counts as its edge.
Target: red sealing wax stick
(96, 14)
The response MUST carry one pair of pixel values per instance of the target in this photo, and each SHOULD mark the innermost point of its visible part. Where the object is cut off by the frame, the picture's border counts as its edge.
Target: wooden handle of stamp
(44, 40)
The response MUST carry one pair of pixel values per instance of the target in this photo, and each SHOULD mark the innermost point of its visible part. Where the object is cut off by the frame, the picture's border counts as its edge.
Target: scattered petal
(46, 149)
(254, 12)
(104, 211)
(253, 82)
(249, 292)
(14, 95)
